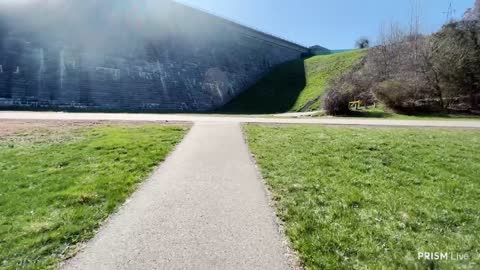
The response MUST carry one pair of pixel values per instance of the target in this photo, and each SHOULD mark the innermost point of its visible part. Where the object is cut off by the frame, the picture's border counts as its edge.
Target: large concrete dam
(131, 55)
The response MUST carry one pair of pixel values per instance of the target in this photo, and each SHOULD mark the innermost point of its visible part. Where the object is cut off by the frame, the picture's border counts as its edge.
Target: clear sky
(335, 24)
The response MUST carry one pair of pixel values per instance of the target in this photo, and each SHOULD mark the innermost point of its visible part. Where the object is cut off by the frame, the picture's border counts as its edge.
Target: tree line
(413, 73)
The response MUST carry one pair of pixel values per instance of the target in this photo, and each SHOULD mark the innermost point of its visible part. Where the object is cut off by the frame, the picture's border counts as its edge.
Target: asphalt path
(204, 208)
(12, 115)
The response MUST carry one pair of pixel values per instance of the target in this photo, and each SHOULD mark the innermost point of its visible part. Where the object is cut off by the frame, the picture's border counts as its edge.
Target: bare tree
(412, 72)
(458, 59)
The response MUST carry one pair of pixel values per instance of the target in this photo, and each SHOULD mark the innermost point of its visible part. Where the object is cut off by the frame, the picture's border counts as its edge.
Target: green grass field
(364, 198)
(58, 187)
(294, 86)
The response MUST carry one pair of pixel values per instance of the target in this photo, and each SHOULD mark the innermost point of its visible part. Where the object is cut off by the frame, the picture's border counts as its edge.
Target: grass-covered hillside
(294, 86)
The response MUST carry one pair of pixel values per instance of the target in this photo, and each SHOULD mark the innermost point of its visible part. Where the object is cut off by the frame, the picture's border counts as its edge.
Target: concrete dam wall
(131, 55)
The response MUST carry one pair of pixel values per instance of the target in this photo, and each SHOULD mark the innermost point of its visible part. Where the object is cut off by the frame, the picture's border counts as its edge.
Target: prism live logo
(443, 256)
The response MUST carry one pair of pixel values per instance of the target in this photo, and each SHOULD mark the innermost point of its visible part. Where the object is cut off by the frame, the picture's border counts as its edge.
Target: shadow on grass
(275, 93)
(371, 114)
(381, 113)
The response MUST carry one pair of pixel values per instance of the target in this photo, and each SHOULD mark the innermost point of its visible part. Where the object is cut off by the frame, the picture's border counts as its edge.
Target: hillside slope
(294, 86)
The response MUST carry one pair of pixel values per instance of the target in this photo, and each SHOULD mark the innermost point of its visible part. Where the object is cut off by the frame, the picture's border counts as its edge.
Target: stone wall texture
(130, 55)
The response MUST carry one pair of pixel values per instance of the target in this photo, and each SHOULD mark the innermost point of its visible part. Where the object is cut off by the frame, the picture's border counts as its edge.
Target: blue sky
(335, 24)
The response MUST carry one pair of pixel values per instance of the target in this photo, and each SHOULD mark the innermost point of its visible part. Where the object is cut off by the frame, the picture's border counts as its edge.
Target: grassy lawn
(293, 86)
(58, 187)
(359, 198)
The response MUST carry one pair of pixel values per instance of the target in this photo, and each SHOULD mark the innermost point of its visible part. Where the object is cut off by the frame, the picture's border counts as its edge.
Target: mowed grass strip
(363, 198)
(56, 189)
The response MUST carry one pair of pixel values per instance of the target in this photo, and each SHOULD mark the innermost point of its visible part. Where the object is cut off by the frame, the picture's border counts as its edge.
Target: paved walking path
(236, 119)
(204, 208)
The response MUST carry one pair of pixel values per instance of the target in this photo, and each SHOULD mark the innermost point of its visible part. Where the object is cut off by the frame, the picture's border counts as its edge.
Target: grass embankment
(294, 86)
(57, 188)
(355, 198)
(383, 113)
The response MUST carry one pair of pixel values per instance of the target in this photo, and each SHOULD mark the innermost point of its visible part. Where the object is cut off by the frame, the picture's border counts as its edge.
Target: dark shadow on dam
(277, 92)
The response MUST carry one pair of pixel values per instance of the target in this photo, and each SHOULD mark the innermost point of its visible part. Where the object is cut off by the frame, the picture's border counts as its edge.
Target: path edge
(77, 249)
(292, 256)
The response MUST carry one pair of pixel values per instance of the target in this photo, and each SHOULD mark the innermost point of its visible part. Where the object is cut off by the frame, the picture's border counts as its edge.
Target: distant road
(234, 119)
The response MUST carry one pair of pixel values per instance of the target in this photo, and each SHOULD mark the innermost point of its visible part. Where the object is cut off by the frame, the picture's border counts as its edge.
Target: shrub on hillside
(402, 96)
(412, 73)
(354, 85)
(360, 85)
(336, 101)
